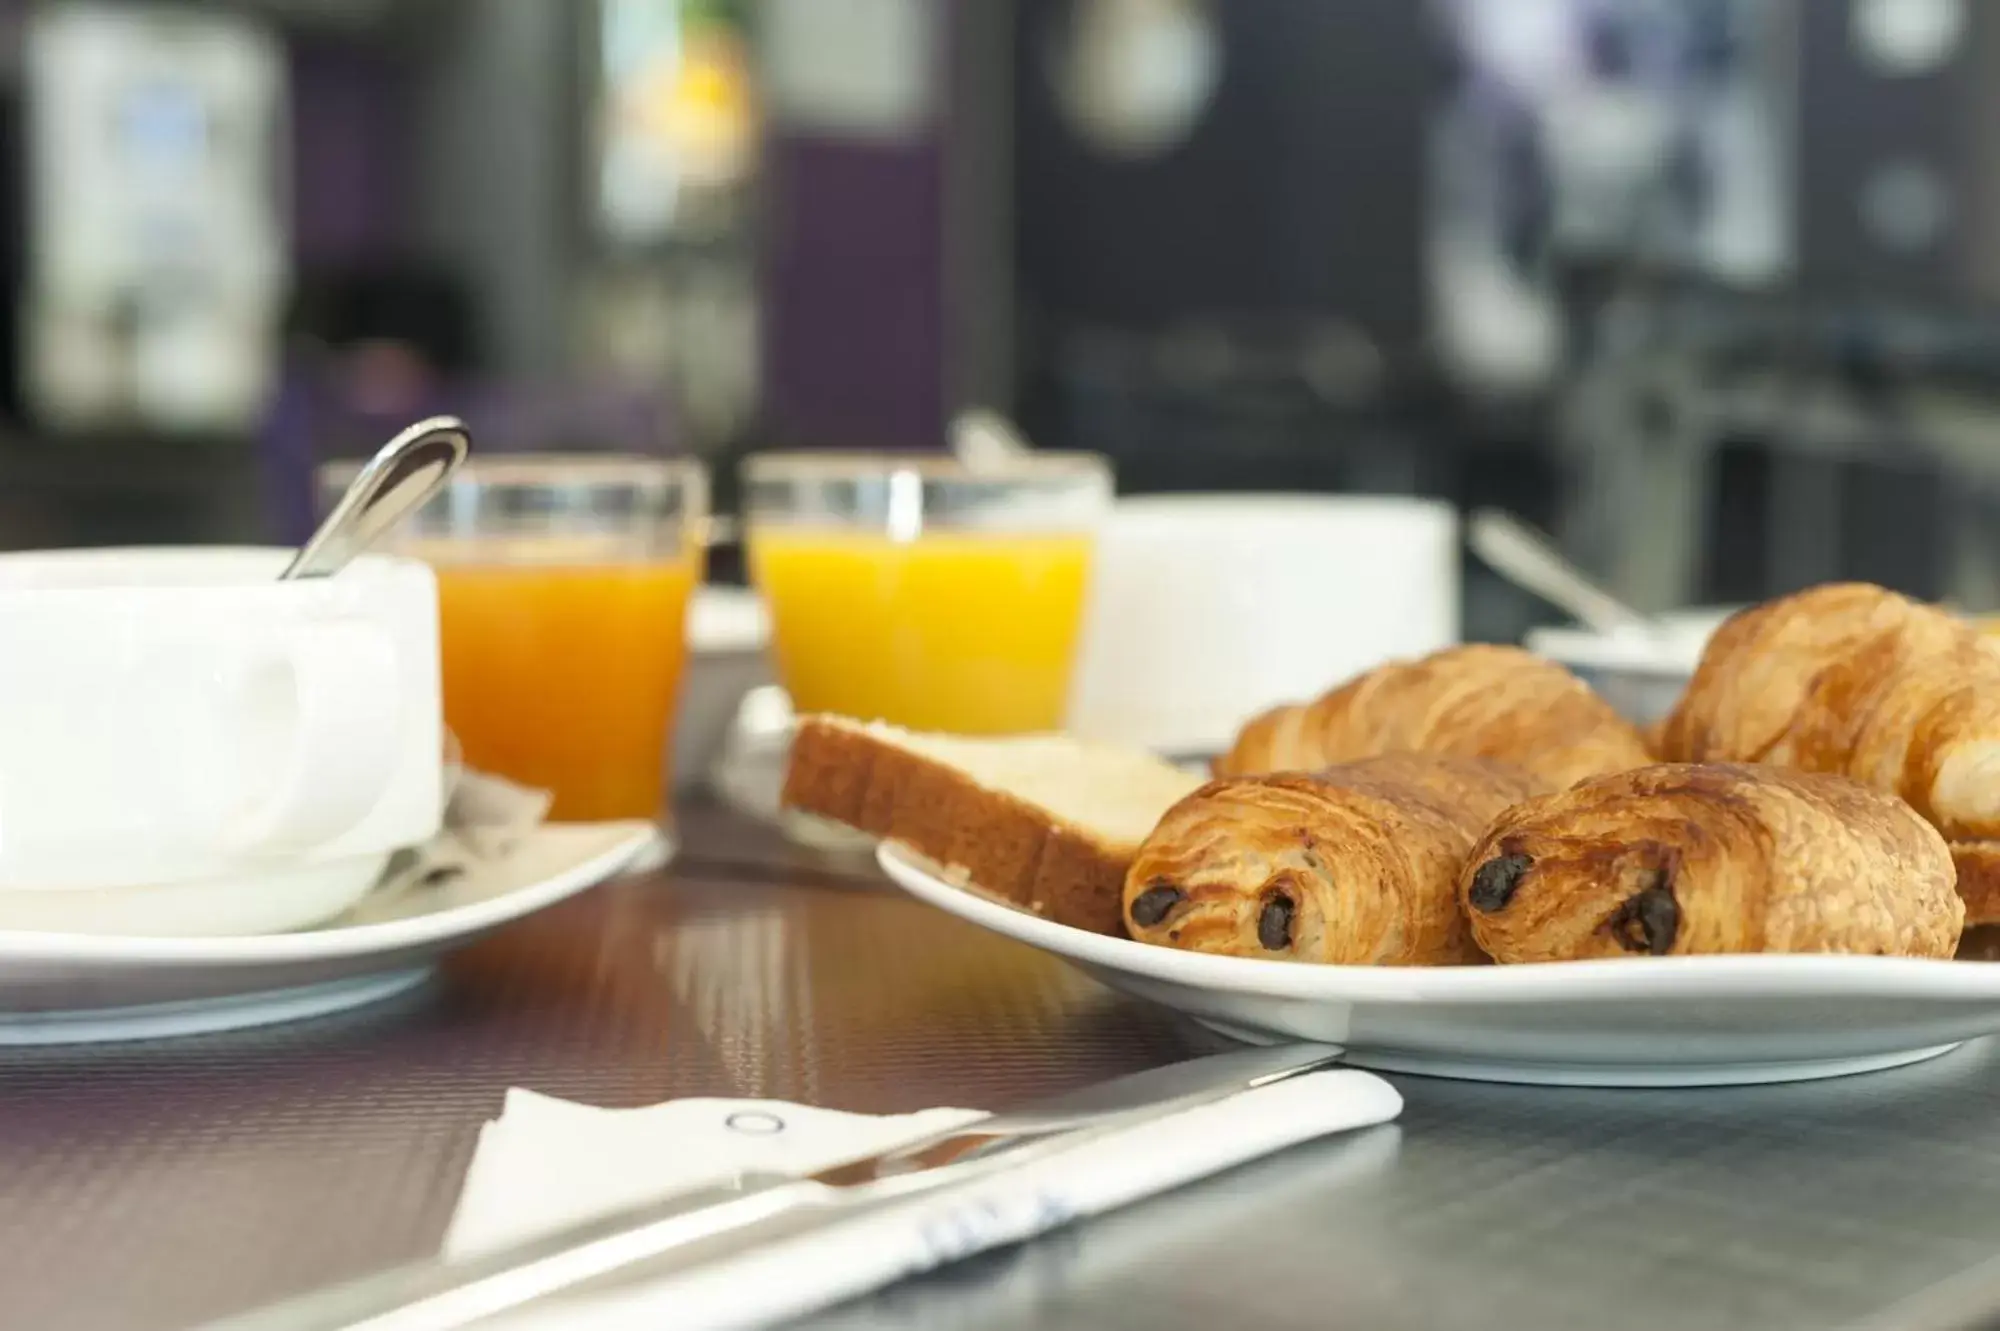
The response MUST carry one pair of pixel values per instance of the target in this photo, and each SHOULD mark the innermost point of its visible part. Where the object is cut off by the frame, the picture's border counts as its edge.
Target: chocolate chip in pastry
(1697, 858)
(1357, 864)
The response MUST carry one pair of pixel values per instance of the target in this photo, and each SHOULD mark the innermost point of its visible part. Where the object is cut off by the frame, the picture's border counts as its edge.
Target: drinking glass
(563, 584)
(919, 591)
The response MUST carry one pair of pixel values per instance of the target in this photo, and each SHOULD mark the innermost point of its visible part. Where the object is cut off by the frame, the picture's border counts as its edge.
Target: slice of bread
(1044, 822)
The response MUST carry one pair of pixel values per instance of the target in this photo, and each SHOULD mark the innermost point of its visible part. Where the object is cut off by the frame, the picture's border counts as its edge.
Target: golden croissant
(1853, 679)
(1475, 701)
(1699, 858)
(1357, 864)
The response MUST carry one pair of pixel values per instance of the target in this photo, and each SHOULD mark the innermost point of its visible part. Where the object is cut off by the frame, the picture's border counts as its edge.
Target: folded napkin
(546, 1163)
(487, 820)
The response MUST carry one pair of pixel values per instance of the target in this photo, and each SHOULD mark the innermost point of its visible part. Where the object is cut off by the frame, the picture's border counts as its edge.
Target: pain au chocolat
(1703, 858)
(1475, 701)
(1356, 864)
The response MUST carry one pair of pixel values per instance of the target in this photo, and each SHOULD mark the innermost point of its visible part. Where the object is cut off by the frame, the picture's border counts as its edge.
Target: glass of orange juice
(563, 585)
(918, 591)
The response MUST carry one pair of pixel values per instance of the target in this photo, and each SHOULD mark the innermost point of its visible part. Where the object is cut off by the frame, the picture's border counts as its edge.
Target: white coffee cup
(189, 746)
(1206, 609)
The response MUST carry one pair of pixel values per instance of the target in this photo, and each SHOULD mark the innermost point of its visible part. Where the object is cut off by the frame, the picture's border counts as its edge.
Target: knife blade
(441, 1295)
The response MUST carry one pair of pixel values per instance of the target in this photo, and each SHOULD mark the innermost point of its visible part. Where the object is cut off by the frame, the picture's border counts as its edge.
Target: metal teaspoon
(409, 469)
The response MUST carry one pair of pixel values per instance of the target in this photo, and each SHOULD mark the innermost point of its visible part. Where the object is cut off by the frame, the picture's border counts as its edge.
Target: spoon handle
(1529, 559)
(408, 470)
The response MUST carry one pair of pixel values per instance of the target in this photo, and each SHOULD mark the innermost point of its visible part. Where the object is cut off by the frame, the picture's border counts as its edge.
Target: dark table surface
(159, 1185)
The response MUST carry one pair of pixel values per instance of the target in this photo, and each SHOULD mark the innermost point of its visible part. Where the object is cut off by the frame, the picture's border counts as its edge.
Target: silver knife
(439, 1295)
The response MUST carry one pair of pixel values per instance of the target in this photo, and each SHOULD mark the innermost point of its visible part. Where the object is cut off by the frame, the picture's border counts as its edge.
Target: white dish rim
(345, 941)
(1736, 976)
(1579, 650)
(1675, 653)
(1282, 504)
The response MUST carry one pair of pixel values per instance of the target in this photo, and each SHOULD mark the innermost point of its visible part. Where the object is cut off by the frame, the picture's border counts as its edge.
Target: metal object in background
(985, 440)
(1531, 561)
(394, 483)
(449, 1296)
(1134, 77)
(1834, 419)
(1265, 345)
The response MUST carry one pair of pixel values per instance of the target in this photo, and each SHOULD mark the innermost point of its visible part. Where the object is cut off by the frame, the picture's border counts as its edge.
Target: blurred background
(1710, 289)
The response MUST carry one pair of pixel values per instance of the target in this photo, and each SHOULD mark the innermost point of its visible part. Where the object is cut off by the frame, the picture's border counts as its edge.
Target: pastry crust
(1853, 679)
(1978, 866)
(1357, 864)
(1680, 859)
(1476, 701)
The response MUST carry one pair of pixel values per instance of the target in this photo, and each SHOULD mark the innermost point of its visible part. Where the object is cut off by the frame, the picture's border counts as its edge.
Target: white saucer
(1643, 1021)
(77, 988)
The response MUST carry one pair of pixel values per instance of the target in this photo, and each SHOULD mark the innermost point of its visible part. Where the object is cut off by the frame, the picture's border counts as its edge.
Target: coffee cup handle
(344, 744)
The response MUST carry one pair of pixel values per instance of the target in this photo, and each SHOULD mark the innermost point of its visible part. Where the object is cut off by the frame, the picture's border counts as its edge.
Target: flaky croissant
(1357, 864)
(1853, 679)
(1475, 701)
(1698, 858)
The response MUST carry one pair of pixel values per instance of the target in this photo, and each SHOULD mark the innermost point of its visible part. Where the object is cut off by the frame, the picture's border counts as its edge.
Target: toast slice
(1044, 822)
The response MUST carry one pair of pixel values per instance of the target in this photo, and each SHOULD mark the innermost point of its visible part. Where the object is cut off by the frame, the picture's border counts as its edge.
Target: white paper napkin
(486, 820)
(545, 1163)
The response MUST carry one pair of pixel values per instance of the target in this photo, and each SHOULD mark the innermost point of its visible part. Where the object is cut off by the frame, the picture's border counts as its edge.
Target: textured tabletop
(157, 1185)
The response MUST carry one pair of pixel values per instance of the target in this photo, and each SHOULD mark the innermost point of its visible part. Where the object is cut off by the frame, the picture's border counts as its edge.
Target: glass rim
(535, 469)
(860, 466)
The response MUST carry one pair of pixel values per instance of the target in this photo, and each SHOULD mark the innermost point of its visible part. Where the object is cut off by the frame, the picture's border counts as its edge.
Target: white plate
(1674, 649)
(1646, 1021)
(72, 988)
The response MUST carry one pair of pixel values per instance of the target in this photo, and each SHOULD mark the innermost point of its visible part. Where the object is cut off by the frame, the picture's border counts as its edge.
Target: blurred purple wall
(350, 152)
(853, 289)
(855, 333)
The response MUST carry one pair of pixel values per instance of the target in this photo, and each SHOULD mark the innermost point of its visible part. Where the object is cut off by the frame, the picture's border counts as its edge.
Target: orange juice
(962, 631)
(564, 676)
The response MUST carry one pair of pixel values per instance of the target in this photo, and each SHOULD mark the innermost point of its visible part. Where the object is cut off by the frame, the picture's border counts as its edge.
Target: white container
(728, 632)
(188, 746)
(1642, 674)
(1208, 608)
